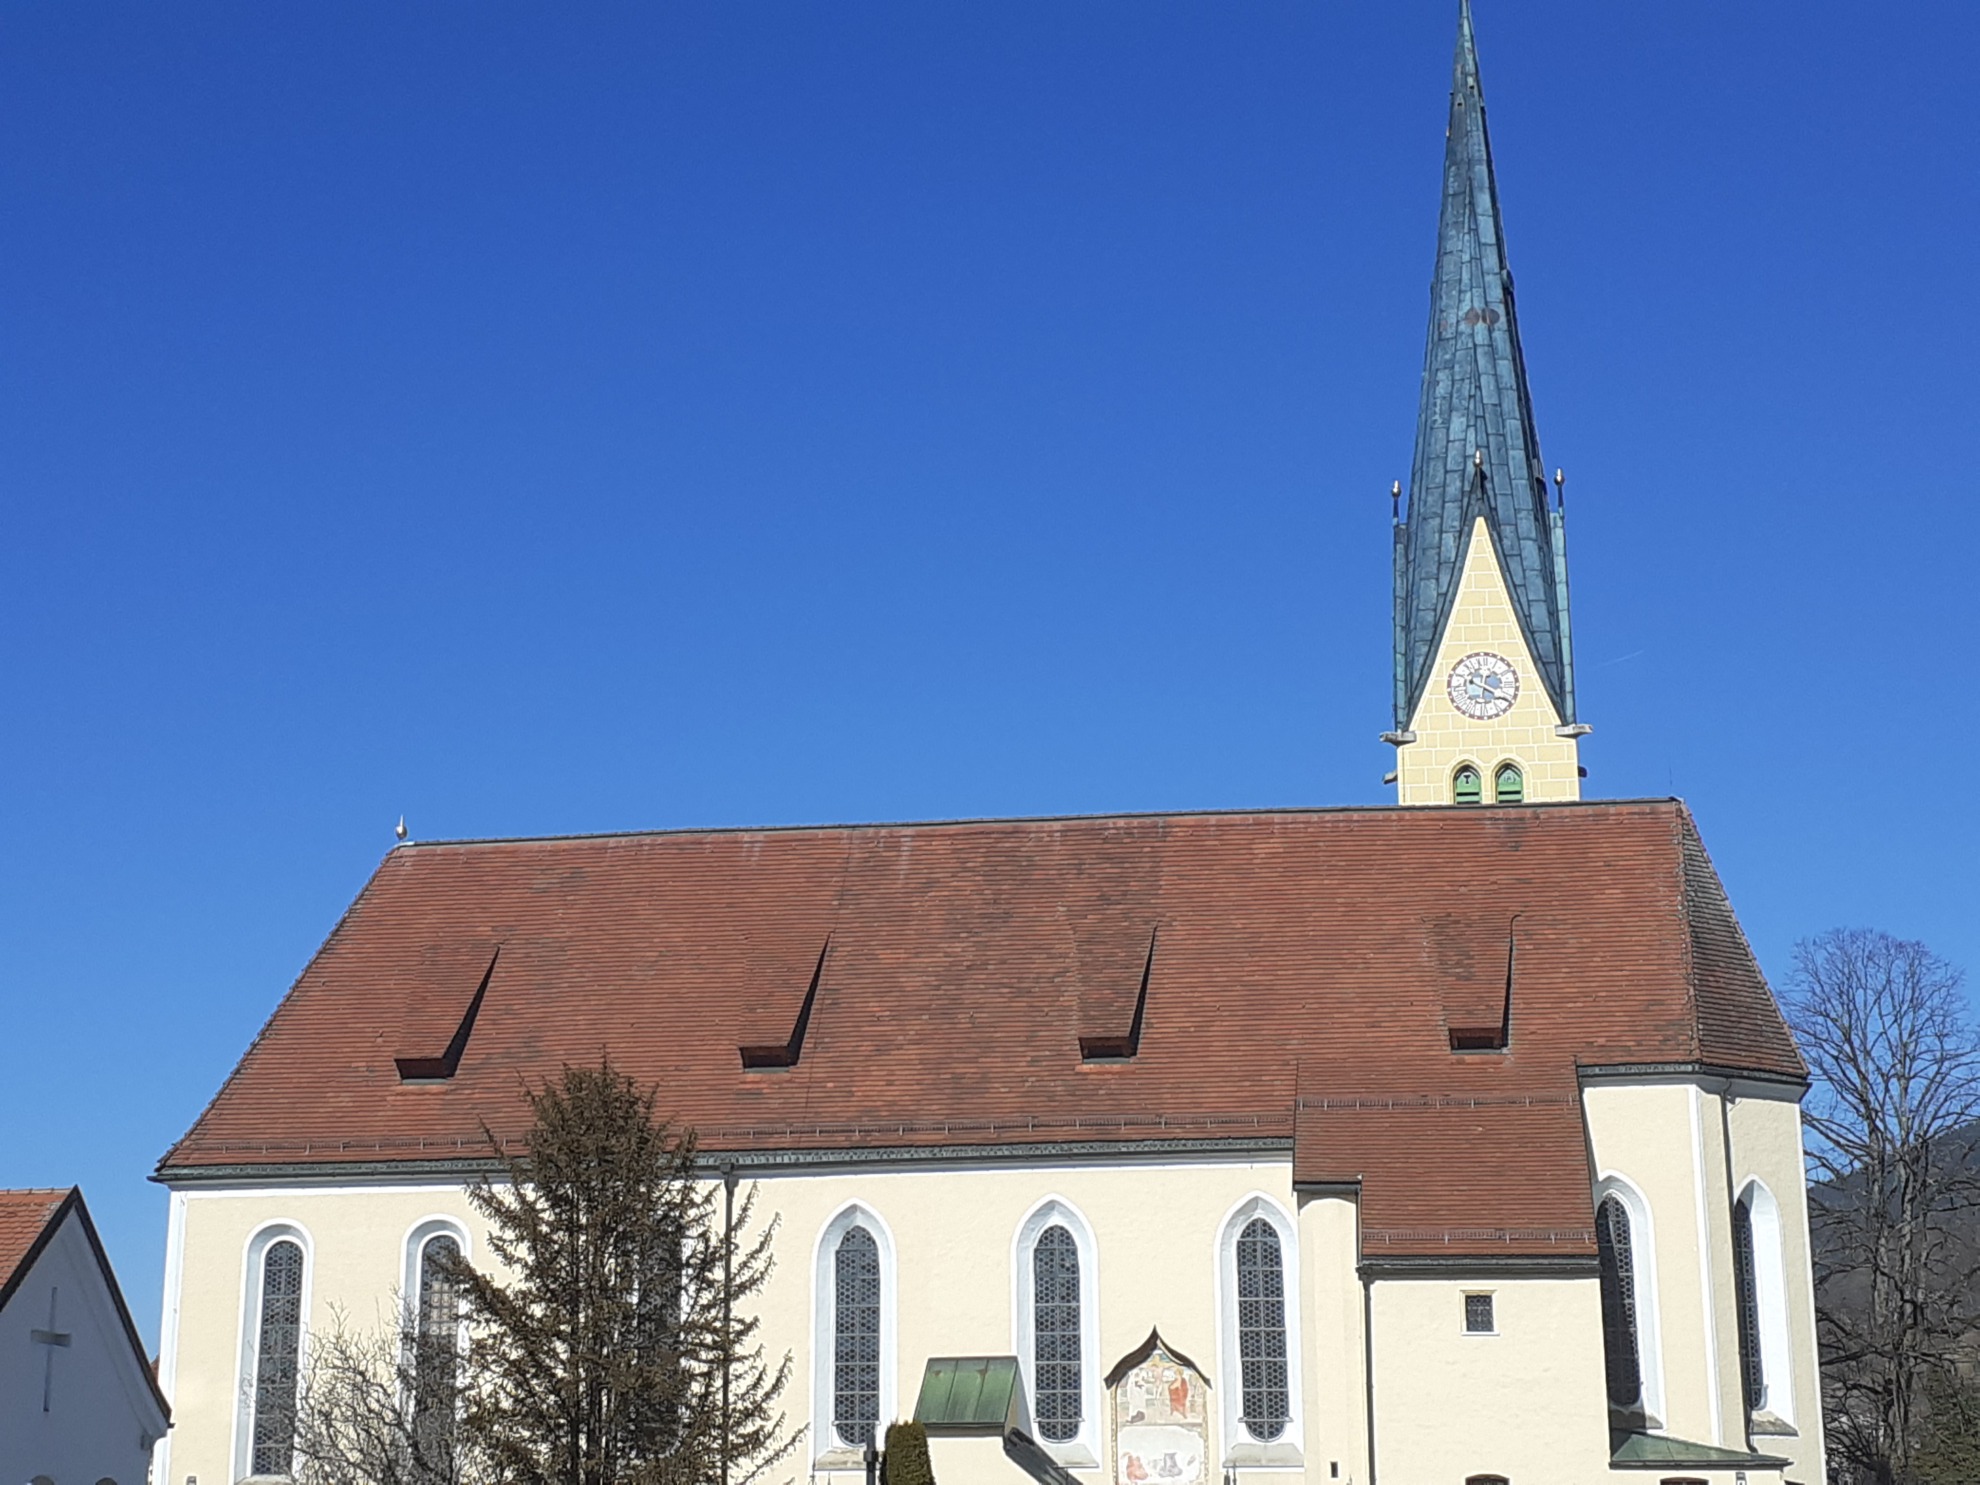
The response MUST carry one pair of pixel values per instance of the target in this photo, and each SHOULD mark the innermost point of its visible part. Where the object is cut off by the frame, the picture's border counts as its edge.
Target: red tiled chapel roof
(23, 1216)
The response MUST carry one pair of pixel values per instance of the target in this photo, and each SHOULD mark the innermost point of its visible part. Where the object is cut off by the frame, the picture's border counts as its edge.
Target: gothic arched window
(1752, 1365)
(436, 1353)
(277, 1353)
(1056, 1364)
(856, 1337)
(1618, 1281)
(1261, 1322)
(1509, 784)
(1466, 786)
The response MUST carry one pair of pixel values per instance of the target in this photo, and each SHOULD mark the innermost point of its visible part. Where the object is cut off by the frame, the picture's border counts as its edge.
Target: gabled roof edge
(240, 1064)
(74, 1202)
(1690, 837)
(42, 1239)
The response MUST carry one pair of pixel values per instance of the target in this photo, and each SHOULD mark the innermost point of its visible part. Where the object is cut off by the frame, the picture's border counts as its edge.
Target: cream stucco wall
(1527, 1402)
(1667, 1142)
(354, 1241)
(1766, 1146)
(1482, 618)
(1155, 1232)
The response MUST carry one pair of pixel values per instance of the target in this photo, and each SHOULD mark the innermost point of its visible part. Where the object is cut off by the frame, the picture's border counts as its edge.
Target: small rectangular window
(1478, 1314)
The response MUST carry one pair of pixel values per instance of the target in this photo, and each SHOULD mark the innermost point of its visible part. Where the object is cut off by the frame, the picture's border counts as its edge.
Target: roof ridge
(963, 822)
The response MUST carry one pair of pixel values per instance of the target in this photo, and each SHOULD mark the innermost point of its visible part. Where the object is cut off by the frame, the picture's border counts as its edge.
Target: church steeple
(1477, 476)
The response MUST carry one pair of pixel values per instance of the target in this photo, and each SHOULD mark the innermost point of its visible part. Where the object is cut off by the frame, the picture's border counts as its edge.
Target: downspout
(1368, 1360)
(728, 1283)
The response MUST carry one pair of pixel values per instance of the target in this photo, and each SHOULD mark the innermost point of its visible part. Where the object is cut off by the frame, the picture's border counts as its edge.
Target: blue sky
(542, 420)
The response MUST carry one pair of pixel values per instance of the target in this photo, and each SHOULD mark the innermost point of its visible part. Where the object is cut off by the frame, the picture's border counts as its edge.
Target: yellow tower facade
(1485, 730)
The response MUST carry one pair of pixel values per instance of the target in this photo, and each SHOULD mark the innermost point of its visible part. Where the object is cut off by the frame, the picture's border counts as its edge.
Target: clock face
(1484, 685)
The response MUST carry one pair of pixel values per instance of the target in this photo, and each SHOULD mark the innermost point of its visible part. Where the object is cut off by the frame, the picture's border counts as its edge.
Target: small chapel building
(1455, 1142)
(79, 1404)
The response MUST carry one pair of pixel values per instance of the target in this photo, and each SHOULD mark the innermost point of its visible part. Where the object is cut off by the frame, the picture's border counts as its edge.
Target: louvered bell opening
(1509, 785)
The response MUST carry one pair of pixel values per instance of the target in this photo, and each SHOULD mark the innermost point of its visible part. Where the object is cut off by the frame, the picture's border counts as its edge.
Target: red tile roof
(23, 1216)
(1308, 968)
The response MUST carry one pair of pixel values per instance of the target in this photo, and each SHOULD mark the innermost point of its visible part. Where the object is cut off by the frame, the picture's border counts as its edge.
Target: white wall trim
(1695, 1101)
(1082, 1450)
(827, 1451)
(291, 1191)
(1241, 1450)
(168, 1325)
(264, 1236)
(1643, 1265)
(1815, 1425)
(1770, 1299)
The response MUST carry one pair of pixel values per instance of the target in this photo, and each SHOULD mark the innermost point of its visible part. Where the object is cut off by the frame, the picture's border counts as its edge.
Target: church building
(1455, 1142)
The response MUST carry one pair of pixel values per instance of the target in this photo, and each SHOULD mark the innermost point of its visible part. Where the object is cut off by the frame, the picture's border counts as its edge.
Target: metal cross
(51, 1338)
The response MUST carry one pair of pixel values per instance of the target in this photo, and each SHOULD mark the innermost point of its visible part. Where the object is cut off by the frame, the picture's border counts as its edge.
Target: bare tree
(374, 1408)
(1895, 1058)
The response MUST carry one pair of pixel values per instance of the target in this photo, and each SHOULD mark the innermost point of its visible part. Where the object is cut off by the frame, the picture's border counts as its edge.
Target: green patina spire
(1477, 453)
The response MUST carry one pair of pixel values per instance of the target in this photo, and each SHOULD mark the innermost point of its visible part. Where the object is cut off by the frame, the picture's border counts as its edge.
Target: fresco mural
(1160, 1410)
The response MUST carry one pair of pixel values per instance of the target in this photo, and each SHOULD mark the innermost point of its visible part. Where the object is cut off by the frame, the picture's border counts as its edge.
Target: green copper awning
(969, 1394)
(983, 1395)
(1651, 1451)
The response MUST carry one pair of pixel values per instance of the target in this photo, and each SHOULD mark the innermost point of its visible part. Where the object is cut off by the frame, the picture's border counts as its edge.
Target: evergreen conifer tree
(616, 1346)
(907, 1455)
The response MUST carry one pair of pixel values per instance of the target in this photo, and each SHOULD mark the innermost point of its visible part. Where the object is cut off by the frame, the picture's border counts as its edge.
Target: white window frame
(826, 1450)
(418, 1236)
(254, 1254)
(1643, 1264)
(1082, 1450)
(1241, 1450)
(1770, 1300)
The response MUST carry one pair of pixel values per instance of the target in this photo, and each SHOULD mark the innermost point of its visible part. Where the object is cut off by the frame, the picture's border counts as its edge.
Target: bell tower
(1484, 703)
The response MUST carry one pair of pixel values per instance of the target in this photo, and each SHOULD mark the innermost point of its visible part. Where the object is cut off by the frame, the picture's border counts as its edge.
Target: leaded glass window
(277, 1350)
(436, 1355)
(1261, 1321)
(856, 1337)
(1752, 1369)
(656, 1262)
(1618, 1278)
(1055, 1334)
